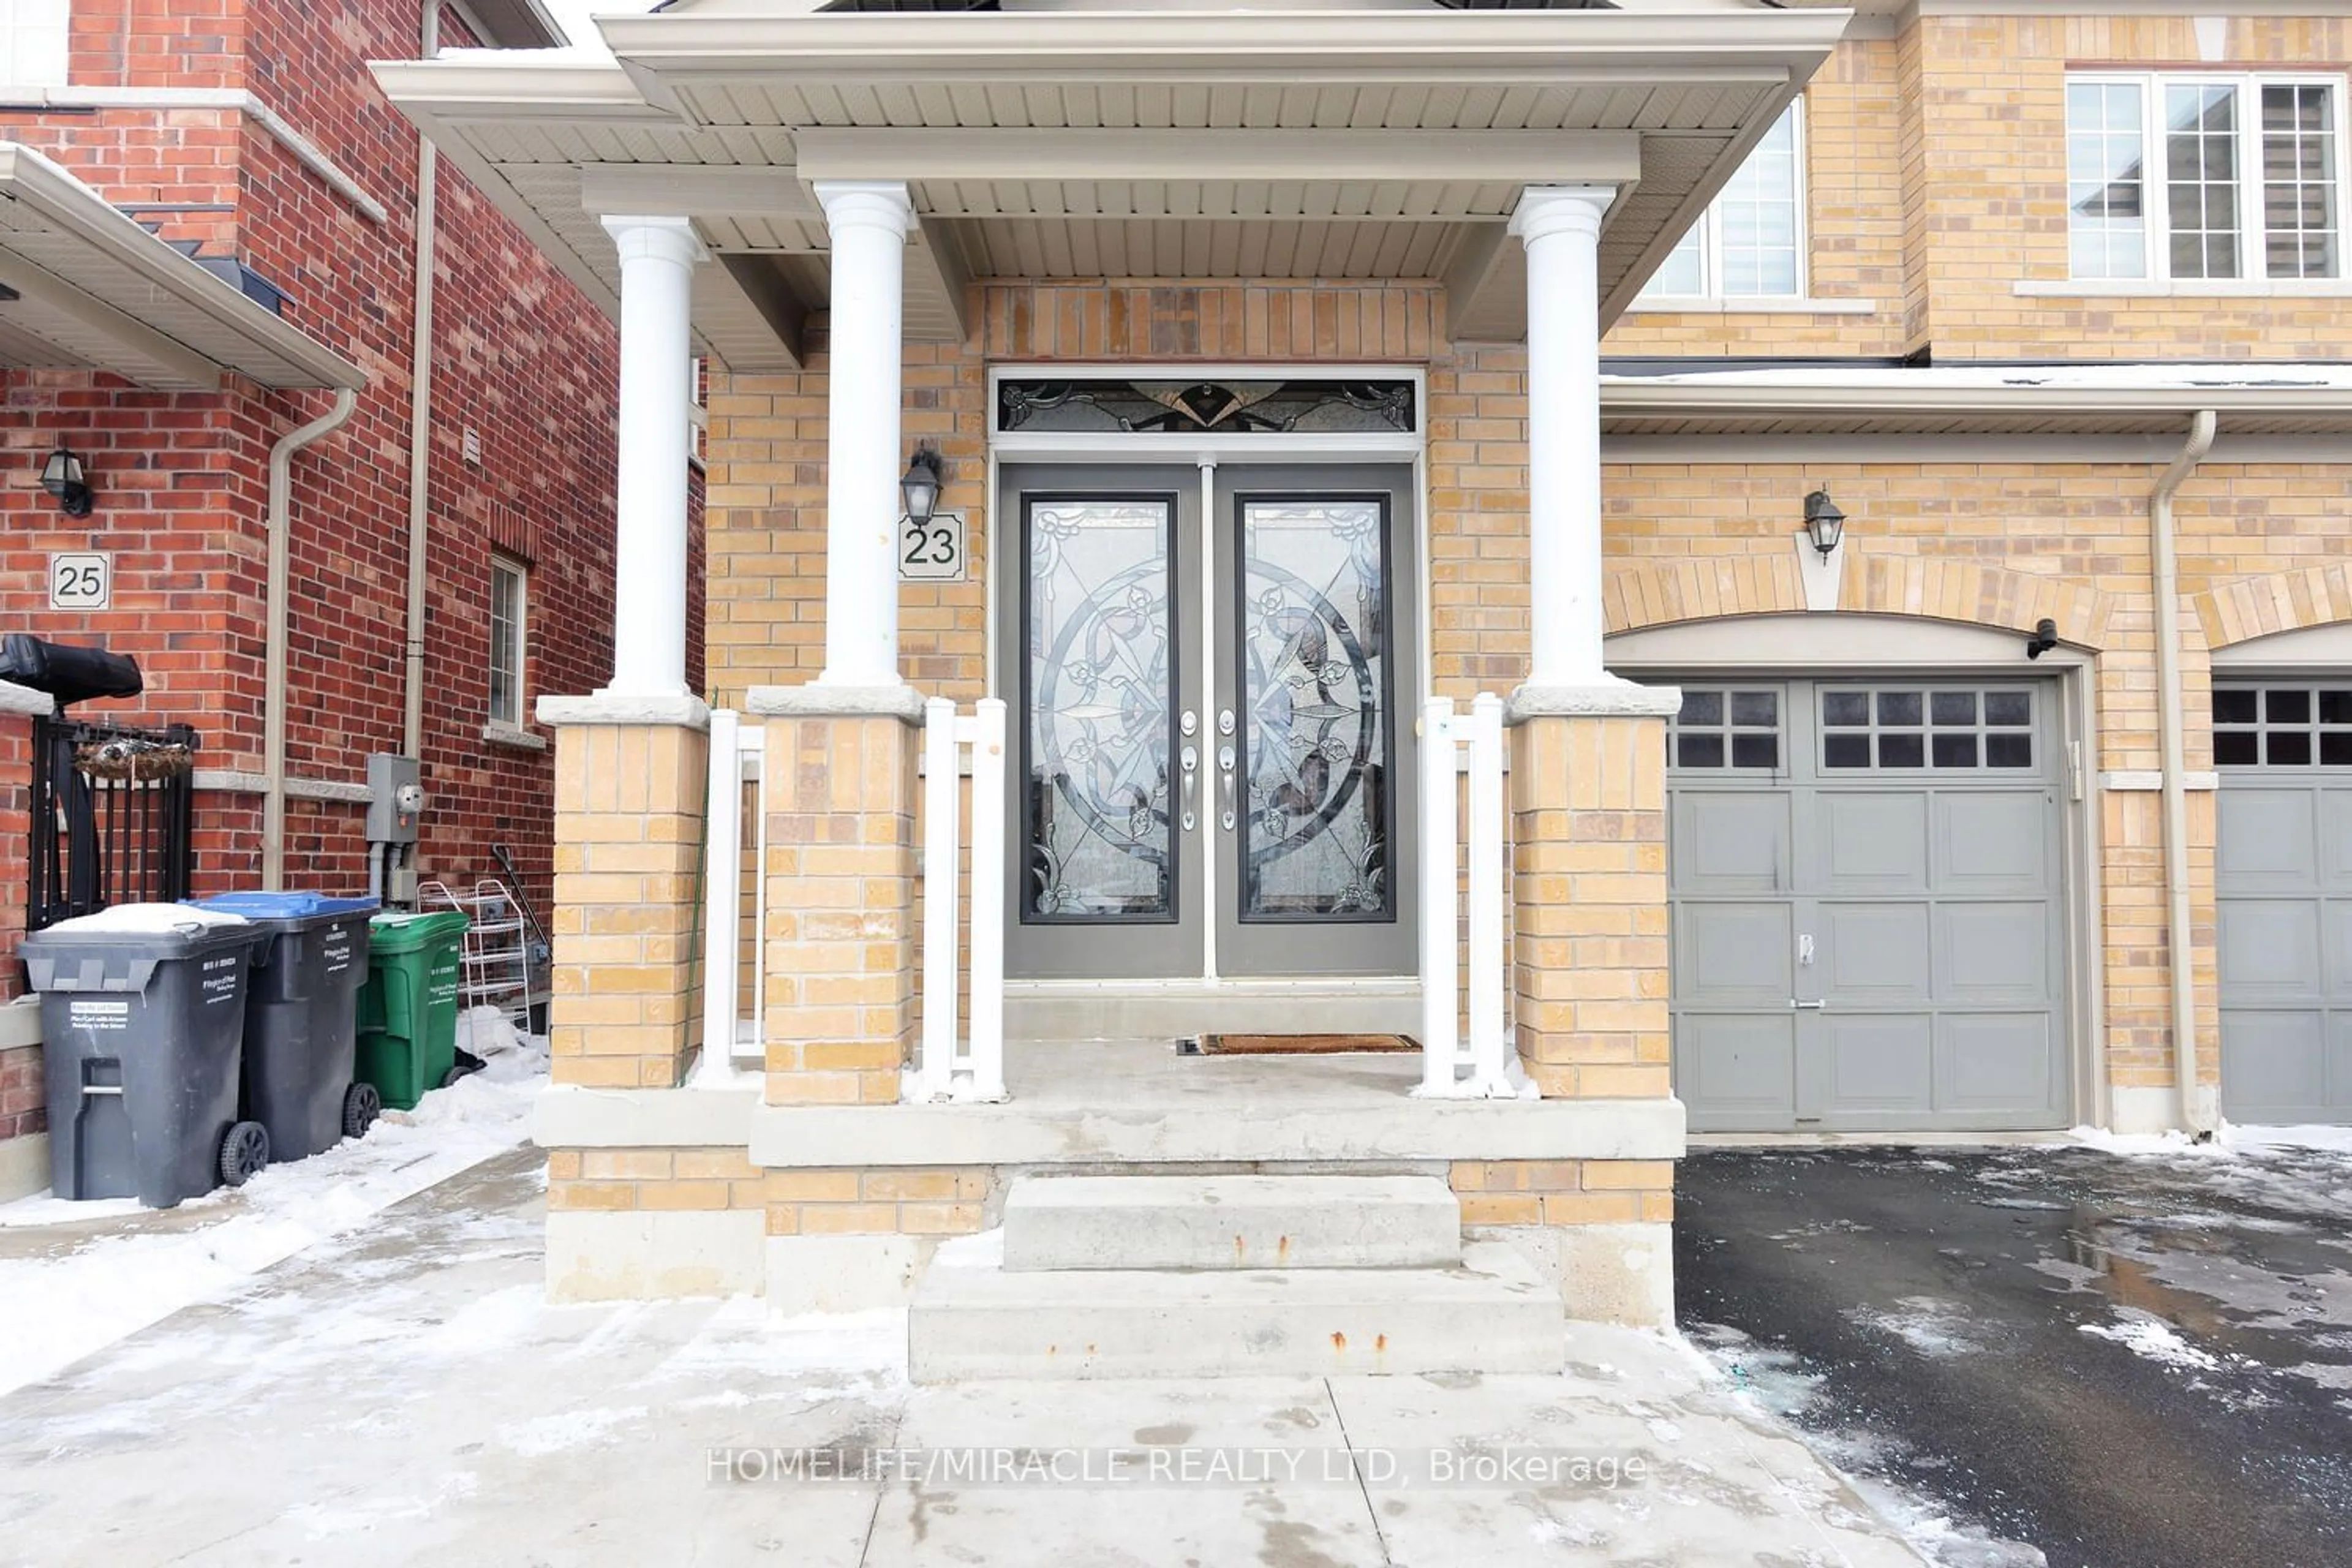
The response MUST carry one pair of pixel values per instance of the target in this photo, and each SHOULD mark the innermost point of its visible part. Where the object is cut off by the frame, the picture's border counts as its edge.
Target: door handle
(1190, 758)
(1816, 1006)
(1805, 948)
(1225, 779)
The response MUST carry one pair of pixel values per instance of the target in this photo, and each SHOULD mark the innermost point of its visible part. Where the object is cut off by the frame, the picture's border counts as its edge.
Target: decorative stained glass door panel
(1315, 754)
(1317, 641)
(1098, 648)
(1213, 776)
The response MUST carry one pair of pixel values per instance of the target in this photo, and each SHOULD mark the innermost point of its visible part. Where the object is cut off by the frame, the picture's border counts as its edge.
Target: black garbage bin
(143, 1024)
(302, 1023)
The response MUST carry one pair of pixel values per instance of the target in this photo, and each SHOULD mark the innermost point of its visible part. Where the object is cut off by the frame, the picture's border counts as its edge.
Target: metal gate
(110, 818)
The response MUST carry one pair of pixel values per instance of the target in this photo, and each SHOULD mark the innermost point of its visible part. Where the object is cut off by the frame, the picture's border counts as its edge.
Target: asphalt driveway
(2098, 1360)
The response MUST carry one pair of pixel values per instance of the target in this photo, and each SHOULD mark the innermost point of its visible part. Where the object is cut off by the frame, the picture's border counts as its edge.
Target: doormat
(1301, 1045)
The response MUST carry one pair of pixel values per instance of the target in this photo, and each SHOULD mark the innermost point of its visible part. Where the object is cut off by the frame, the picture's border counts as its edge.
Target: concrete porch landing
(406, 1395)
(1140, 1102)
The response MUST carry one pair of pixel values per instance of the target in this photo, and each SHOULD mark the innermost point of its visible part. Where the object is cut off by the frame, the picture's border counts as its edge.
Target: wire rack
(496, 954)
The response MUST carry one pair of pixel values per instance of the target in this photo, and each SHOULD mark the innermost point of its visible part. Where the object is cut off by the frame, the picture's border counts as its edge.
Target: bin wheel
(362, 1106)
(243, 1152)
(452, 1076)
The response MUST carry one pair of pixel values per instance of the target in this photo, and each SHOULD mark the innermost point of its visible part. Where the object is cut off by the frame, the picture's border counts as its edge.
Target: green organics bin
(408, 1014)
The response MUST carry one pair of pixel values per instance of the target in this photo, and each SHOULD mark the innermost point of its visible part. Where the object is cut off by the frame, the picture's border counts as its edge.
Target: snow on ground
(2155, 1340)
(1777, 1384)
(95, 1287)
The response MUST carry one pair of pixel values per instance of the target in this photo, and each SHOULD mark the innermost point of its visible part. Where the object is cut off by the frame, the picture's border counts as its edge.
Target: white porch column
(869, 222)
(1560, 225)
(658, 256)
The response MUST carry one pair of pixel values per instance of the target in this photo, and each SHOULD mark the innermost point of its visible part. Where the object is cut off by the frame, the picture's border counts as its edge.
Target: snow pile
(505, 1052)
(93, 1290)
(2156, 1341)
(146, 920)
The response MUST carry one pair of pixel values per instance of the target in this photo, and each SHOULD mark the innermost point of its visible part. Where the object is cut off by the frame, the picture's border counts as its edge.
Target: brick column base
(1589, 890)
(631, 781)
(841, 874)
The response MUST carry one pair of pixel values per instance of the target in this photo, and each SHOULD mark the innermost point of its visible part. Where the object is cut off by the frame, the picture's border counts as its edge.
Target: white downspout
(2175, 806)
(273, 656)
(420, 413)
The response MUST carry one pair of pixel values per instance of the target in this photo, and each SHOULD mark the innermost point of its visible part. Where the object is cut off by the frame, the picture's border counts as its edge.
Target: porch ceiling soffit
(1882, 406)
(1071, 144)
(87, 287)
(1698, 83)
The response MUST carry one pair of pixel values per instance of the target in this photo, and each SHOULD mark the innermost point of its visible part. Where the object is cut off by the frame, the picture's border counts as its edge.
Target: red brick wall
(519, 357)
(15, 801)
(21, 1109)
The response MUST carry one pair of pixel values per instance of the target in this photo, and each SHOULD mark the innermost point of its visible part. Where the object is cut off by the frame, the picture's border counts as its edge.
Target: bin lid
(397, 930)
(144, 919)
(154, 931)
(261, 906)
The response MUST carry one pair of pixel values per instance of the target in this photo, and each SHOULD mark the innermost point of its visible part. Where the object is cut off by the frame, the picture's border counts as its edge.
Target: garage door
(1866, 917)
(2284, 880)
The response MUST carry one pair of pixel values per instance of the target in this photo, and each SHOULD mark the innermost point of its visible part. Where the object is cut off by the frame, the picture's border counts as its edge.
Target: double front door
(1210, 671)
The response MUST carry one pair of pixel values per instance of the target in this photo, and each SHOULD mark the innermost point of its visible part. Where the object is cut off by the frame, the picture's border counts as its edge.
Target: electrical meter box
(398, 799)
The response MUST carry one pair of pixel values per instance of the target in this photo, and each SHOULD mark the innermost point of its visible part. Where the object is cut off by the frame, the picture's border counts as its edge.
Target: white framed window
(509, 638)
(33, 42)
(2202, 177)
(1750, 245)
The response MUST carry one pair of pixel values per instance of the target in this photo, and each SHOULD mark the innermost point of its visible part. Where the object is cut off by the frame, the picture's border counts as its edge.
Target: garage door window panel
(2283, 727)
(1932, 729)
(1726, 728)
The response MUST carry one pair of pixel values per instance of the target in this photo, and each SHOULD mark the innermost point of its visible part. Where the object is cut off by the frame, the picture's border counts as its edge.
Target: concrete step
(1231, 1222)
(978, 1321)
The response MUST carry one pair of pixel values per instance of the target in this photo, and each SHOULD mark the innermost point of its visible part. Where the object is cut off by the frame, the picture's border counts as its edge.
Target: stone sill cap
(1612, 699)
(818, 700)
(626, 708)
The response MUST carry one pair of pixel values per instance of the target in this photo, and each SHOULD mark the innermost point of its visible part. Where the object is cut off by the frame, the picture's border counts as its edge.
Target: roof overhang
(1384, 144)
(514, 24)
(93, 290)
(2123, 400)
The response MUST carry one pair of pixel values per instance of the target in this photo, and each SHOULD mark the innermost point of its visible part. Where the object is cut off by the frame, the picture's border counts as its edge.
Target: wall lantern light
(1824, 522)
(920, 487)
(63, 476)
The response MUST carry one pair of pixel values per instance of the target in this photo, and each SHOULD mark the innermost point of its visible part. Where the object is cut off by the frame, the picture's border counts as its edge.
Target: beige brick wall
(1989, 542)
(840, 799)
(628, 824)
(926, 1201)
(1935, 183)
(1564, 1192)
(2005, 544)
(1853, 191)
(1589, 882)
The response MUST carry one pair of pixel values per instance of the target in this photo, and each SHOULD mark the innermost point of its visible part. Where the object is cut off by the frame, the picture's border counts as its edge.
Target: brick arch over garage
(1650, 593)
(2249, 607)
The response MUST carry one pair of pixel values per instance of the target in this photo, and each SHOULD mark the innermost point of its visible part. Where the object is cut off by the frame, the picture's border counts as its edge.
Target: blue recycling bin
(301, 1018)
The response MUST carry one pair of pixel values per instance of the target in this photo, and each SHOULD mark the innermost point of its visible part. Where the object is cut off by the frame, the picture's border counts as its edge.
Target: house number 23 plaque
(931, 552)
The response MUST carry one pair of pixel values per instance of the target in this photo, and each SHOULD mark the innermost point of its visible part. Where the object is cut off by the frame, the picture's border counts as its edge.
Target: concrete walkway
(404, 1396)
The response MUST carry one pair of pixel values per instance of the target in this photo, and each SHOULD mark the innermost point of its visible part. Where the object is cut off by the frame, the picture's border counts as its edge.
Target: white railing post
(1488, 959)
(722, 882)
(1439, 900)
(968, 1063)
(751, 768)
(988, 762)
(1452, 1066)
(936, 1071)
